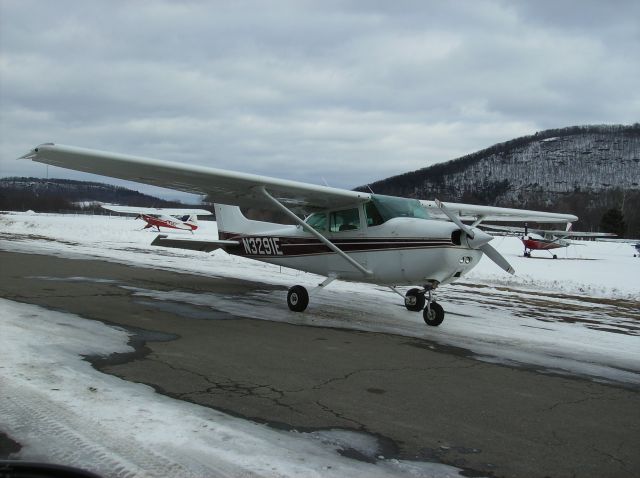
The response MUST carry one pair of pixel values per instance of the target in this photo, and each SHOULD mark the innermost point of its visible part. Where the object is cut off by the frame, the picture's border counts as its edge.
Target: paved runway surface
(422, 400)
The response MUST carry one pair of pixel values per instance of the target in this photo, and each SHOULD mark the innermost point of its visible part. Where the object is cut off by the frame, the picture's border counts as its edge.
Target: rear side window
(347, 220)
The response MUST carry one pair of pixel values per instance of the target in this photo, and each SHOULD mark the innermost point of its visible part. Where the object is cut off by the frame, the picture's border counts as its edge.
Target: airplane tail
(231, 222)
(189, 220)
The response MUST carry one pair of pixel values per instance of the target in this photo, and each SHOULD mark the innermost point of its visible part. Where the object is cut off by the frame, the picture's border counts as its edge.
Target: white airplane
(184, 219)
(346, 235)
(545, 239)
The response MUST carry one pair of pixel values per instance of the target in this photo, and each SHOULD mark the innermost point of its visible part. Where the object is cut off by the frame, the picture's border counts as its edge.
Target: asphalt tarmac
(423, 401)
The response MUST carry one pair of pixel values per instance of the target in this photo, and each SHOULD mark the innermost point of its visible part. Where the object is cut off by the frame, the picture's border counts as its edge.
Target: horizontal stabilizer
(190, 244)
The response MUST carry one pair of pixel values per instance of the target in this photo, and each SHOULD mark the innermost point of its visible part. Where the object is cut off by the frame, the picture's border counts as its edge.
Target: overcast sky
(342, 92)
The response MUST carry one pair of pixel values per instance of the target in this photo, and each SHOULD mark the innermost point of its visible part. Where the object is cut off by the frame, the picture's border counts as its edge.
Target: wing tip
(33, 153)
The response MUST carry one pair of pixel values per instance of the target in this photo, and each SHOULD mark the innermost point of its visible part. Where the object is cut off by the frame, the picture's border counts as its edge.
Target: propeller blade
(455, 219)
(481, 242)
(496, 257)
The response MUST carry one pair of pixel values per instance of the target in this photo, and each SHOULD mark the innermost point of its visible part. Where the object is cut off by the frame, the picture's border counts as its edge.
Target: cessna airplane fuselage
(346, 234)
(396, 251)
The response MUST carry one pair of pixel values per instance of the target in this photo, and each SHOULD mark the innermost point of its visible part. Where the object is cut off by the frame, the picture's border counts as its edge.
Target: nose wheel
(433, 314)
(297, 298)
(416, 300)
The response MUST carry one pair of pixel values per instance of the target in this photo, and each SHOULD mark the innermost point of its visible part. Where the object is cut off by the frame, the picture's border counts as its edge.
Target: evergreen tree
(613, 221)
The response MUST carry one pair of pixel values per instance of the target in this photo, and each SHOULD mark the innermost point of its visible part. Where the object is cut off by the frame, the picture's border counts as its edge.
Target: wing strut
(310, 229)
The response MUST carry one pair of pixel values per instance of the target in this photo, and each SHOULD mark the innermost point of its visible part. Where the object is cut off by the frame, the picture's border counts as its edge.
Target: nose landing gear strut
(421, 299)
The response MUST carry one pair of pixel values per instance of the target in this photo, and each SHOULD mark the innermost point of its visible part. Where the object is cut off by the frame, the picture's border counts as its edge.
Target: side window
(318, 221)
(373, 215)
(347, 220)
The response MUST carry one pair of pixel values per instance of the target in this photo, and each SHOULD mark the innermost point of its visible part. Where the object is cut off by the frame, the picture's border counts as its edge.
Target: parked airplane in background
(185, 219)
(637, 246)
(346, 235)
(544, 239)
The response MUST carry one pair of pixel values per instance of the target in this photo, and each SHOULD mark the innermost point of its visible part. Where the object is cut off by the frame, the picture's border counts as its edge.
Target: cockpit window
(389, 207)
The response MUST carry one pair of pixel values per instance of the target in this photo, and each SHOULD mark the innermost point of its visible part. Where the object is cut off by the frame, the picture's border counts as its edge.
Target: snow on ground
(576, 315)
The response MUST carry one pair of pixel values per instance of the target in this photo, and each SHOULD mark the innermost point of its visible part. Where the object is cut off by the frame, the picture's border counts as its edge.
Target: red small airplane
(184, 219)
(544, 239)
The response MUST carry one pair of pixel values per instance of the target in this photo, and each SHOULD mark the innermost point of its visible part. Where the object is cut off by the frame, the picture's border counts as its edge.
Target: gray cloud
(346, 91)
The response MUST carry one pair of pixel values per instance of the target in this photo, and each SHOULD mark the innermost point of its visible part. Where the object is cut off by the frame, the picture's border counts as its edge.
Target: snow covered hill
(582, 170)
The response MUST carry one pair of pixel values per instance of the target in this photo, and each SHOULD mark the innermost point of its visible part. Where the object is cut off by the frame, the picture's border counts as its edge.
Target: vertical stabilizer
(231, 222)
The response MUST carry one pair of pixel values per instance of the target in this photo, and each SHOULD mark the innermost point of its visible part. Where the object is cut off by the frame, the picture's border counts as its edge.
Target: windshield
(390, 207)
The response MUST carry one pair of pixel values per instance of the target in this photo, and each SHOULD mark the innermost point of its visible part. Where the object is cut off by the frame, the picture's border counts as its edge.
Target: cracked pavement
(422, 400)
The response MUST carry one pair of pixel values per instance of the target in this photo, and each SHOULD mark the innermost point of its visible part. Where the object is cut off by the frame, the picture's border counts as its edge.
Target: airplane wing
(509, 229)
(472, 212)
(582, 234)
(156, 211)
(559, 233)
(240, 189)
(221, 186)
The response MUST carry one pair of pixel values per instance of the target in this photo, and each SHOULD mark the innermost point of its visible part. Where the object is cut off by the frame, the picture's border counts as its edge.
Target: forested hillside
(64, 195)
(585, 170)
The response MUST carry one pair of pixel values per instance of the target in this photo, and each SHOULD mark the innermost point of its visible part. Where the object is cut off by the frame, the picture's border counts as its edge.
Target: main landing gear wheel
(414, 300)
(297, 298)
(433, 315)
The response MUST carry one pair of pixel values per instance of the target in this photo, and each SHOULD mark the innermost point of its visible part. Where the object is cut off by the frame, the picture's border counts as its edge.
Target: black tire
(555, 257)
(414, 300)
(433, 315)
(298, 298)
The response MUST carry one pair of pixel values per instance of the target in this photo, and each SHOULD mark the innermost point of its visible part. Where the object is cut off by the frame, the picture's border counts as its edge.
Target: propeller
(478, 239)
(498, 258)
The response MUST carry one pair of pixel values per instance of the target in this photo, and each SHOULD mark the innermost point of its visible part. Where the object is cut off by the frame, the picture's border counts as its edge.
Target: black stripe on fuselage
(295, 247)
